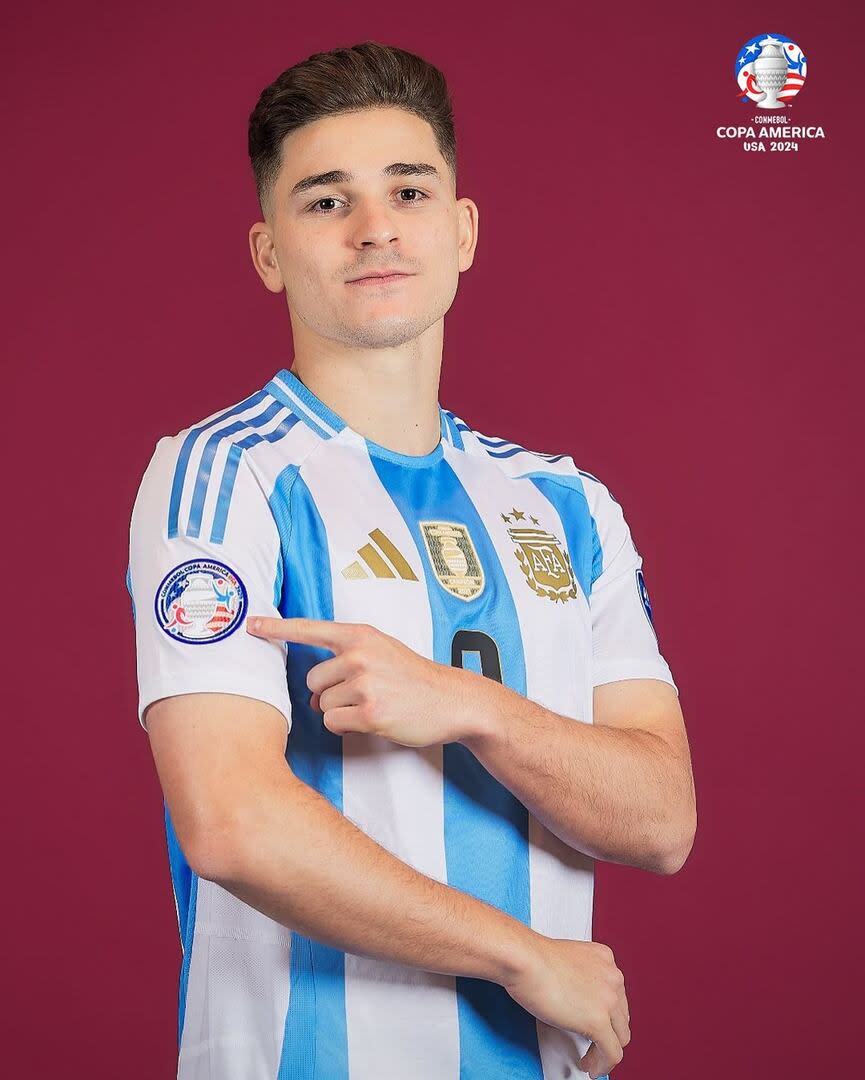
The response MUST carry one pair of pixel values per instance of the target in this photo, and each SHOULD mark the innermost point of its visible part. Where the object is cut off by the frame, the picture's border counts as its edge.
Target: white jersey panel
(394, 1013)
(238, 990)
(625, 645)
(179, 650)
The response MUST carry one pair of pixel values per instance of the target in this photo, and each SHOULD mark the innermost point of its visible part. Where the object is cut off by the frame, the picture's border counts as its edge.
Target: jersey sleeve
(193, 577)
(624, 641)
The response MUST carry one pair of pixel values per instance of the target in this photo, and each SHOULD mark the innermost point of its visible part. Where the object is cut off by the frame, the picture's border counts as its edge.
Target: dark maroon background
(676, 313)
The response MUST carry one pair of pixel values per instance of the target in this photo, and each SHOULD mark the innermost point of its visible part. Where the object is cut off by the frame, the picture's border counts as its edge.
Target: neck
(390, 398)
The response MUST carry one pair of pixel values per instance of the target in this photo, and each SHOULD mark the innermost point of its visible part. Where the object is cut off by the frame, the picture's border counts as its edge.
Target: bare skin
(373, 354)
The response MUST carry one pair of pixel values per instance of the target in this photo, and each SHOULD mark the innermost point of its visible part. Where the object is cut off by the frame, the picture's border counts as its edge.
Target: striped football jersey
(480, 554)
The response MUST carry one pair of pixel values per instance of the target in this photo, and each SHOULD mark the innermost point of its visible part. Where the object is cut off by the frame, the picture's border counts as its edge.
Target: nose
(373, 224)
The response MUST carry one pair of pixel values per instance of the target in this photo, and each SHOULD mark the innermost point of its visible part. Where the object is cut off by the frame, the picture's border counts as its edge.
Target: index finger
(332, 635)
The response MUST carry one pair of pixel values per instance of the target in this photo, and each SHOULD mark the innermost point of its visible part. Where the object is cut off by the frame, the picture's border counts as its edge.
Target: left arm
(620, 789)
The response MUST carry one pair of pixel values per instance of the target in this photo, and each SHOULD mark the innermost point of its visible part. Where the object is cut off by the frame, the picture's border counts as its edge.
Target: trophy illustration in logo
(770, 71)
(200, 601)
(770, 74)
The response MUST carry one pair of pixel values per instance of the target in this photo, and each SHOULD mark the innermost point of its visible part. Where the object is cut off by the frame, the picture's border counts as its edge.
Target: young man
(383, 803)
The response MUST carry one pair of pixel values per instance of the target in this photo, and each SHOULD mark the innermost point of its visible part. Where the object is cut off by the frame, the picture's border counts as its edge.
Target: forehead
(360, 143)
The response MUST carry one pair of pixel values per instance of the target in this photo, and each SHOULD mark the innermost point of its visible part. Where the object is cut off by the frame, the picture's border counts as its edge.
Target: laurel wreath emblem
(551, 594)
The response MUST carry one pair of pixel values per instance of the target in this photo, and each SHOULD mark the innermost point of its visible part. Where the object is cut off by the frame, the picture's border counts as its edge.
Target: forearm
(297, 859)
(609, 792)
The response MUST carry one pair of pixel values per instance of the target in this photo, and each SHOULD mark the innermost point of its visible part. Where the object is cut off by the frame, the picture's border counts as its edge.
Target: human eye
(316, 206)
(417, 191)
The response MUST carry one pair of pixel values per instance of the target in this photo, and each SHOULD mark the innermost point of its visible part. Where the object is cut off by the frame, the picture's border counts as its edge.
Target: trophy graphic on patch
(770, 71)
(770, 74)
(200, 601)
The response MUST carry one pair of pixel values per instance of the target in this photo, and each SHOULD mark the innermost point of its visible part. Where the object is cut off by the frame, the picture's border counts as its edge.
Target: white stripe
(447, 427)
(304, 409)
(402, 1021)
(237, 992)
(214, 482)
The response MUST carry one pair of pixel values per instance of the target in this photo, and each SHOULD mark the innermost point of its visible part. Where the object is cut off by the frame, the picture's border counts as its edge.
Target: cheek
(444, 256)
(303, 275)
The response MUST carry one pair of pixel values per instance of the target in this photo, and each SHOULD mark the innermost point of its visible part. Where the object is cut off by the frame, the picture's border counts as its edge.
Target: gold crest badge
(453, 557)
(547, 567)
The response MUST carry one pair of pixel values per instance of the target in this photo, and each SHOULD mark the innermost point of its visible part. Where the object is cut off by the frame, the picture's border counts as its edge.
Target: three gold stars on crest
(518, 515)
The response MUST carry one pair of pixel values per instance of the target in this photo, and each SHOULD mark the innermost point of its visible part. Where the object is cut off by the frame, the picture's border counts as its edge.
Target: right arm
(245, 821)
(280, 846)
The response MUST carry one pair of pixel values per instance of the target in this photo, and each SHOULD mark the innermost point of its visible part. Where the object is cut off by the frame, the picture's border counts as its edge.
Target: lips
(390, 275)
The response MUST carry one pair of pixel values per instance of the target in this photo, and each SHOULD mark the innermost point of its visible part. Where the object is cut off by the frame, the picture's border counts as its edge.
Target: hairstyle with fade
(365, 76)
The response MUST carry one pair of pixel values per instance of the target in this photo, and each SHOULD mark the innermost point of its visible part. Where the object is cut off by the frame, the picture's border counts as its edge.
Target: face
(395, 211)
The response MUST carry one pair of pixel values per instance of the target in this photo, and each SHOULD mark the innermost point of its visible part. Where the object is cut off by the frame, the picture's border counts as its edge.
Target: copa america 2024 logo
(200, 601)
(770, 70)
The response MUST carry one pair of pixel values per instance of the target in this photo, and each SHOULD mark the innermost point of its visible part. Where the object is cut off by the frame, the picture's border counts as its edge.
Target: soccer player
(383, 802)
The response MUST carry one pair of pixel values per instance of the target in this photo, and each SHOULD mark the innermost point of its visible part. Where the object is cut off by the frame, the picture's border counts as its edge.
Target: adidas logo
(381, 557)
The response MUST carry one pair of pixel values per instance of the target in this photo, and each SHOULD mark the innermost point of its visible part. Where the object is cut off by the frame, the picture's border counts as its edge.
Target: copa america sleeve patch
(200, 601)
(644, 597)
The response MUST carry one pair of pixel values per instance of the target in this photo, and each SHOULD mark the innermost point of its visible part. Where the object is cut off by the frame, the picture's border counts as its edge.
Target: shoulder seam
(242, 437)
(493, 444)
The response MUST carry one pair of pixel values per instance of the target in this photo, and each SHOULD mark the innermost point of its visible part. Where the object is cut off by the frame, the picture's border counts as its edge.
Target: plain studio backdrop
(682, 316)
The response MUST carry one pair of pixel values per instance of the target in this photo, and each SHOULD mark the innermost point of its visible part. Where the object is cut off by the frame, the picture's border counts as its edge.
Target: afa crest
(454, 559)
(543, 558)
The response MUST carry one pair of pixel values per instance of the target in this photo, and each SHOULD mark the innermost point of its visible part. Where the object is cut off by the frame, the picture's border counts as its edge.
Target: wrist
(482, 707)
(518, 953)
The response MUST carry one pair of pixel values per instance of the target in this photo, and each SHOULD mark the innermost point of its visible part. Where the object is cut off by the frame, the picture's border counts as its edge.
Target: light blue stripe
(597, 554)
(507, 453)
(185, 884)
(568, 496)
(315, 1043)
(456, 436)
(515, 447)
(583, 472)
(186, 452)
(597, 550)
(522, 450)
(496, 442)
(307, 398)
(199, 493)
(129, 590)
(229, 473)
(485, 825)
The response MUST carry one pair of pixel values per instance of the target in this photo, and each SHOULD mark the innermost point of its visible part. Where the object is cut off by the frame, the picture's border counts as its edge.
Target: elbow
(234, 836)
(211, 851)
(676, 851)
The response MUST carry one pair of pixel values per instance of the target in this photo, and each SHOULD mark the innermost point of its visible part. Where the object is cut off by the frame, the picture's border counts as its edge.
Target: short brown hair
(365, 76)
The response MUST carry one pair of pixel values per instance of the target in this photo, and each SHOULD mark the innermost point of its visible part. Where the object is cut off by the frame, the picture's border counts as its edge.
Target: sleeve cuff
(632, 669)
(153, 692)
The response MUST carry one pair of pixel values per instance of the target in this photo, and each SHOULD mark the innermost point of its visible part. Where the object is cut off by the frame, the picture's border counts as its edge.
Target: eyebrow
(340, 176)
